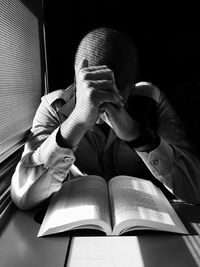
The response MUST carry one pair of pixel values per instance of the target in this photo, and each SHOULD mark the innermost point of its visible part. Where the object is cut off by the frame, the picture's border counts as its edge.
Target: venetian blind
(20, 72)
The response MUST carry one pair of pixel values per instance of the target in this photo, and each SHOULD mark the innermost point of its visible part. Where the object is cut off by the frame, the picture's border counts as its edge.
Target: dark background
(168, 39)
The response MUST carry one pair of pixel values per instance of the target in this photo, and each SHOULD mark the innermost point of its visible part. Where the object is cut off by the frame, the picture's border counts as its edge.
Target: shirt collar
(68, 107)
(111, 136)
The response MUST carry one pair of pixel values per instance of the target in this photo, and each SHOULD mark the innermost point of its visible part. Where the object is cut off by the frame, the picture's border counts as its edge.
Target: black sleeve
(144, 110)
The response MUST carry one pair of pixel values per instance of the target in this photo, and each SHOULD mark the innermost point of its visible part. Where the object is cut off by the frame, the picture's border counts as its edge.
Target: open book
(124, 204)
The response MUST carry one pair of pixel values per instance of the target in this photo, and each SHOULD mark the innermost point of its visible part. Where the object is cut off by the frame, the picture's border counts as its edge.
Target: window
(22, 72)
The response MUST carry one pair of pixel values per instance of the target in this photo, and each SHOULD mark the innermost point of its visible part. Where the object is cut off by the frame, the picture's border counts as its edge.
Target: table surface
(19, 245)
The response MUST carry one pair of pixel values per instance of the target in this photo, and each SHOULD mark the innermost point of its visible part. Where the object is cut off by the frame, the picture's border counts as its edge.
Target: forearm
(71, 132)
(171, 160)
(32, 184)
(44, 164)
(41, 171)
(123, 125)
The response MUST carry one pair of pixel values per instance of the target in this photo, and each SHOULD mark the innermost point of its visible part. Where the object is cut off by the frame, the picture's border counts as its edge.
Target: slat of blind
(5, 201)
(6, 214)
(12, 142)
(20, 86)
(20, 69)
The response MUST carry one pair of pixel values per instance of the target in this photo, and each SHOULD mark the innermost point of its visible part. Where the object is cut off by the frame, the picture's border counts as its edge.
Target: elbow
(24, 202)
(17, 195)
(21, 192)
(20, 200)
(28, 193)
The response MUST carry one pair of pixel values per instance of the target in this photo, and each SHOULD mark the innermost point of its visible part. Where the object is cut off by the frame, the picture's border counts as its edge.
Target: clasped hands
(97, 95)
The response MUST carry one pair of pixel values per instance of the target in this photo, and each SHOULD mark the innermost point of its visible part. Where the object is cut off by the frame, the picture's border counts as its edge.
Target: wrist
(71, 132)
(84, 117)
(147, 141)
(78, 119)
(135, 132)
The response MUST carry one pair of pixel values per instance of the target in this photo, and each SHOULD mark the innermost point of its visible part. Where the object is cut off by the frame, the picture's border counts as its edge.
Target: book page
(139, 203)
(81, 202)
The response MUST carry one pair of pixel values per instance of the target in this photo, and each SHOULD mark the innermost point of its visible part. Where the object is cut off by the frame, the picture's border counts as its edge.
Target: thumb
(83, 64)
(109, 109)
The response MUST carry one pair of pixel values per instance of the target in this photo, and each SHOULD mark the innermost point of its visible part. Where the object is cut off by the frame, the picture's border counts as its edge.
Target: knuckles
(90, 87)
(84, 74)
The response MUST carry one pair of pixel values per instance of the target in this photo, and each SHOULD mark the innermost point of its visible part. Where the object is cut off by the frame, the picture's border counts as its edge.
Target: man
(105, 124)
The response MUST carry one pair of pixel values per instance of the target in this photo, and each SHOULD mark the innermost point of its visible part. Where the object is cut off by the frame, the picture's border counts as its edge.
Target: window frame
(7, 207)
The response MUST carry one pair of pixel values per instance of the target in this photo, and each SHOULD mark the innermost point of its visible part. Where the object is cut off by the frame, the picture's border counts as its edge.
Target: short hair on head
(107, 46)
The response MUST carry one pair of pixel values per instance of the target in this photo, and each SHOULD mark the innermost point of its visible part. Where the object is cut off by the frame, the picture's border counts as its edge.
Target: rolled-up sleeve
(174, 162)
(44, 164)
